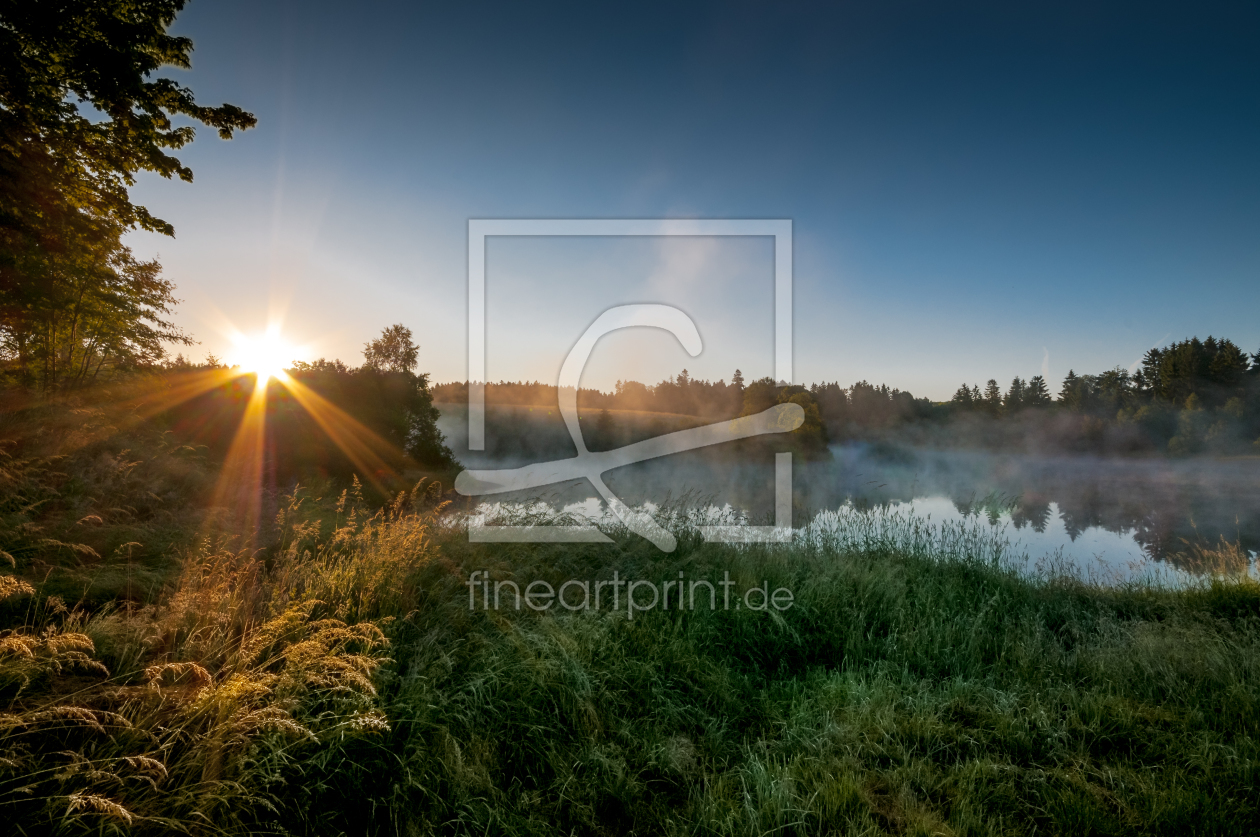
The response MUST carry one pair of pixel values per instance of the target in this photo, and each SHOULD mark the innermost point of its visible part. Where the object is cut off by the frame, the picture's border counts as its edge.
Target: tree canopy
(81, 114)
(58, 55)
(393, 351)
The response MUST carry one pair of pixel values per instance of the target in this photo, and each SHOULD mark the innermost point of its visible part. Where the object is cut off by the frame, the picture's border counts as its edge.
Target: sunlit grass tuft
(245, 666)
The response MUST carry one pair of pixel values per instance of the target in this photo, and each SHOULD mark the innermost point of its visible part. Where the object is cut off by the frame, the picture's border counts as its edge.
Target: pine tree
(1015, 396)
(962, 398)
(1036, 394)
(993, 397)
(1070, 393)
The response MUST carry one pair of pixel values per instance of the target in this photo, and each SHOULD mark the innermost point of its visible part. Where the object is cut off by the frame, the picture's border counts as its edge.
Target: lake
(1109, 518)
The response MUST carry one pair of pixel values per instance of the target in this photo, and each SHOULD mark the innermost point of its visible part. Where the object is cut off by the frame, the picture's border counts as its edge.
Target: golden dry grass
(245, 660)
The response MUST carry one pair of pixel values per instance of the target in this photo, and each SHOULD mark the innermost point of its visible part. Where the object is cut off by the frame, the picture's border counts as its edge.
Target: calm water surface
(1108, 517)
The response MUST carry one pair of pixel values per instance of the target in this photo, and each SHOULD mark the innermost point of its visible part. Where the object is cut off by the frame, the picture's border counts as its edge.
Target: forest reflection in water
(1155, 509)
(1117, 514)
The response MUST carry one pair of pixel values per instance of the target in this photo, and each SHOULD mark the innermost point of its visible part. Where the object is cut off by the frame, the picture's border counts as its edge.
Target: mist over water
(1106, 517)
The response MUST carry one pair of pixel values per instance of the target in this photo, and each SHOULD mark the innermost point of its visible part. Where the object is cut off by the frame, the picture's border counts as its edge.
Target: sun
(265, 355)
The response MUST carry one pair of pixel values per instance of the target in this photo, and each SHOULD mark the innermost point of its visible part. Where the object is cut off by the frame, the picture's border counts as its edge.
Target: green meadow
(328, 669)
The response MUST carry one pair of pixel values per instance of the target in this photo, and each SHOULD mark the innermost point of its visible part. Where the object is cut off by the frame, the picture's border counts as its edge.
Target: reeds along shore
(338, 681)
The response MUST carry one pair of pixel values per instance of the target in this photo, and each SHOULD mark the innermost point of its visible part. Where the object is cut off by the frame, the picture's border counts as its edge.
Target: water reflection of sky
(1095, 552)
(1114, 518)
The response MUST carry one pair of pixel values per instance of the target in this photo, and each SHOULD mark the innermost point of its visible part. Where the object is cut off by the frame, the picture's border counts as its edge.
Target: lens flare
(265, 355)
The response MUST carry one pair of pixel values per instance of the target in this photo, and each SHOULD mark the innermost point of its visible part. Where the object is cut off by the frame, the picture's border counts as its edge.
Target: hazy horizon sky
(977, 190)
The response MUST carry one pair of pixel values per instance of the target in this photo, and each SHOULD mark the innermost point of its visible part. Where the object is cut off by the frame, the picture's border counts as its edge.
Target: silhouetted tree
(1037, 395)
(1211, 368)
(993, 397)
(1015, 398)
(393, 351)
(1072, 393)
(1112, 389)
(962, 398)
(322, 365)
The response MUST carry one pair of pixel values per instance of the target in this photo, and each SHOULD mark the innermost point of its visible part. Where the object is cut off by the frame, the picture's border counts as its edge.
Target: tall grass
(96, 500)
(187, 715)
(920, 683)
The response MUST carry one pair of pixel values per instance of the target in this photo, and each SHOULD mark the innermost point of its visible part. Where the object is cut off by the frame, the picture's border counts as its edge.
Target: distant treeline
(832, 412)
(683, 395)
(1193, 396)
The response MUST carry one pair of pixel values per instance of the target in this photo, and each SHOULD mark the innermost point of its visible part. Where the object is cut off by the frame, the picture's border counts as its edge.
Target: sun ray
(185, 386)
(239, 488)
(126, 406)
(365, 449)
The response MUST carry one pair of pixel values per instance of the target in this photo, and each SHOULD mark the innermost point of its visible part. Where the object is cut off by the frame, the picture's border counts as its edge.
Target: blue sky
(973, 187)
